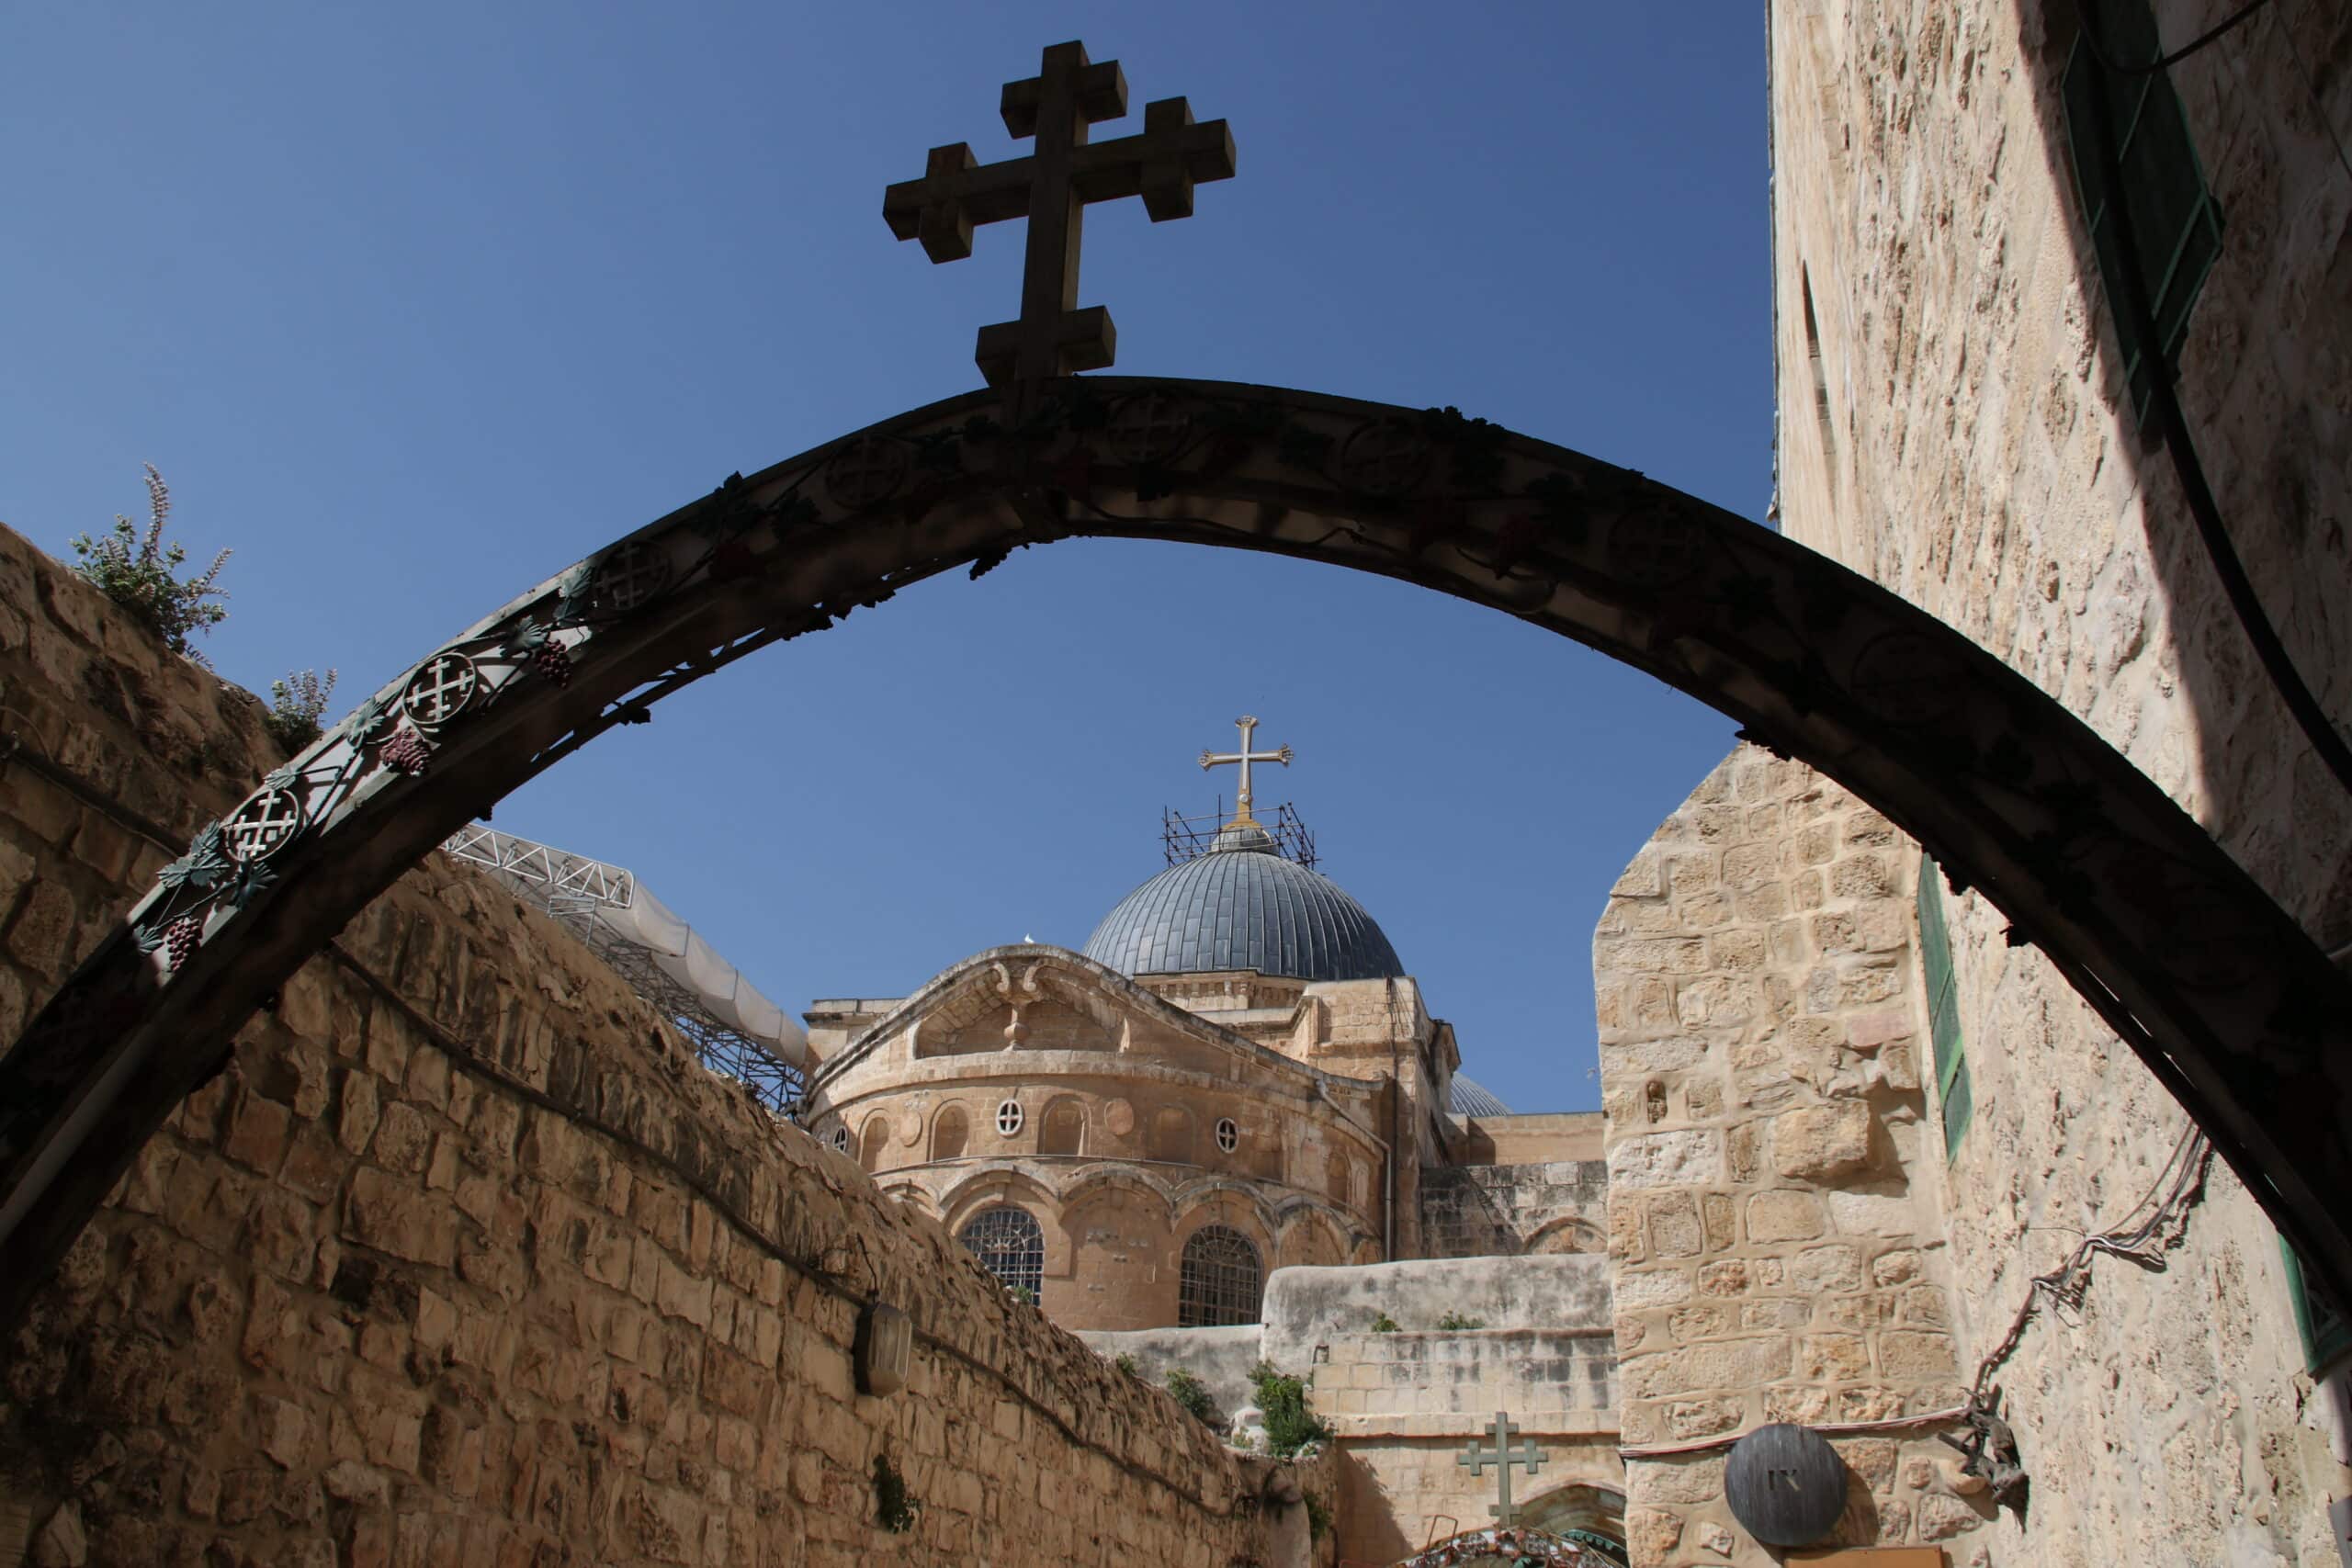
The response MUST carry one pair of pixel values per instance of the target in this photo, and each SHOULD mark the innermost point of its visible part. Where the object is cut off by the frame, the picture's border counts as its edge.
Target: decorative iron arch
(2186, 957)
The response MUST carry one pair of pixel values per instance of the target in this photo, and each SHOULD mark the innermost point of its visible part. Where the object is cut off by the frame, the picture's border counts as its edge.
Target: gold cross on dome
(1051, 188)
(1247, 724)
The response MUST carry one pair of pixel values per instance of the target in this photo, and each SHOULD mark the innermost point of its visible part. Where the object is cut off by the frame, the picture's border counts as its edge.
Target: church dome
(1470, 1098)
(1242, 906)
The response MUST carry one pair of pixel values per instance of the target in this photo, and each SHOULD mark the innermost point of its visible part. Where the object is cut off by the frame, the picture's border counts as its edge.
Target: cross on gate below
(1502, 1457)
(1051, 188)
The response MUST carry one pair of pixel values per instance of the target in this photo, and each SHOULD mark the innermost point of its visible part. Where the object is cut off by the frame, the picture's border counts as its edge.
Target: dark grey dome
(1241, 906)
(1470, 1098)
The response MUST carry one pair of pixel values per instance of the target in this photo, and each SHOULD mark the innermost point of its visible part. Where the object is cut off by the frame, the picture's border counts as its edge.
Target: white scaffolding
(735, 1030)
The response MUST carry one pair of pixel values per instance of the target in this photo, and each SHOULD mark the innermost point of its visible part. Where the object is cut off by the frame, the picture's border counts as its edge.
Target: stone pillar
(1773, 1206)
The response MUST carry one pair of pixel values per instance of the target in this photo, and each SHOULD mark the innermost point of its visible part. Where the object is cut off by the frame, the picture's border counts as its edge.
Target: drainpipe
(1396, 1114)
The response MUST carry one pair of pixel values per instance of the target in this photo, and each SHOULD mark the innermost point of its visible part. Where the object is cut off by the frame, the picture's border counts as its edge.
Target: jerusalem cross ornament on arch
(1051, 187)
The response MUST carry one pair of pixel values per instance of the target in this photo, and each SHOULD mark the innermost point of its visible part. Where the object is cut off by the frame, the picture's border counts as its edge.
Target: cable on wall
(2131, 296)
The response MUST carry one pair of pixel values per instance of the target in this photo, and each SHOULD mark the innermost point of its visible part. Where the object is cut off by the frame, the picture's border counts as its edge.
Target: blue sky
(415, 305)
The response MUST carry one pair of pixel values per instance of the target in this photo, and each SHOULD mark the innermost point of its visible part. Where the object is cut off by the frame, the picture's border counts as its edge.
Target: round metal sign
(1785, 1483)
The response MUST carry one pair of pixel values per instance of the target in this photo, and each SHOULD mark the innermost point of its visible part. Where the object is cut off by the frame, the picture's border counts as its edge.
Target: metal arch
(2186, 957)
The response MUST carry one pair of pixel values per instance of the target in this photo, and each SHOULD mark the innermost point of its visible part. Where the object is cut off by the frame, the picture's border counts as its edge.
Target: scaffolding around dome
(1189, 838)
(735, 1030)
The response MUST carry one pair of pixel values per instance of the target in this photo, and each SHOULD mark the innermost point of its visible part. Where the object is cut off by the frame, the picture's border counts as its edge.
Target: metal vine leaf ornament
(394, 733)
(1520, 1548)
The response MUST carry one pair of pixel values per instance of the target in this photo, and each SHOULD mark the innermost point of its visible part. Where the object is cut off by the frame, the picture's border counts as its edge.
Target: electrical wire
(2131, 298)
(2145, 1240)
(2152, 1227)
(2098, 49)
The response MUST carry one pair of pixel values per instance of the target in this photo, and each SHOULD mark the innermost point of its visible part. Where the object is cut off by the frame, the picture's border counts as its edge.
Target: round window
(1009, 1118)
(1229, 1136)
(841, 1137)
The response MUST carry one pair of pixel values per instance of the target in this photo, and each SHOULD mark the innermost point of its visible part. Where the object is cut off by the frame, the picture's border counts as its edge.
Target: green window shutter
(2326, 1333)
(2175, 220)
(1952, 1092)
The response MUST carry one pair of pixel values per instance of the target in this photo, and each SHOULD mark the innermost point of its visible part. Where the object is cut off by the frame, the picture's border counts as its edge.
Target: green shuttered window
(1943, 1007)
(2327, 1333)
(2174, 218)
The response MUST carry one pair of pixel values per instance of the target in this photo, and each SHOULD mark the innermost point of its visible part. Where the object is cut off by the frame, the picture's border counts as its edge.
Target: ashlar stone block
(1819, 1142)
(1685, 1158)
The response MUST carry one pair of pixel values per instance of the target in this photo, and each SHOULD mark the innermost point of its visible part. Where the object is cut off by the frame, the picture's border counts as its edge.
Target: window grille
(1943, 1007)
(1010, 1245)
(1009, 1118)
(2174, 222)
(841, 1138)
(1229, 1136)
(1221, 1280)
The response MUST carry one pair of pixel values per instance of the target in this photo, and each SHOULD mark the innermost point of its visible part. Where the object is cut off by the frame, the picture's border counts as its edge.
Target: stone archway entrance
(2217, 989)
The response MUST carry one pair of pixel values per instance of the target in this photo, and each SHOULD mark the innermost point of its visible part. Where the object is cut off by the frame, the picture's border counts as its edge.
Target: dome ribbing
(1241, 906)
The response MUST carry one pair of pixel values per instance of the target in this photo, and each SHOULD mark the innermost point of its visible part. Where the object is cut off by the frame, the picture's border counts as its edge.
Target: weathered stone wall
(1480, 1211)
(462, 1259)
(1770, 1205)
(1952, 425)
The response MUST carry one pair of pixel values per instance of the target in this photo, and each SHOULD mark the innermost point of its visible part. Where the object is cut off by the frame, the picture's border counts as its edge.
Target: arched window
(1221, 1281)
(1008, 1243)
(950, 1130)
(878, 1139)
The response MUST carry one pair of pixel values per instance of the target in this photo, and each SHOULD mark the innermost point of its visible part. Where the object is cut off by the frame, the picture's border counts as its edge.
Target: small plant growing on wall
(140, 573)
(893, 1509)
(1319, 1516)
(1455, 1322)
(1023, 1296)
(1192, 1394)
(1383, 1323)
(1126, 1362)
(296, 705)
(1291, 1424)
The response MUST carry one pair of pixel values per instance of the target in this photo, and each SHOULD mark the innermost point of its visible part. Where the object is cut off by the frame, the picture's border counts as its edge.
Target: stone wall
(462, 1260)
(1952, 425)
(1220, 1358)
(1479, 1210)
(1771, 1209)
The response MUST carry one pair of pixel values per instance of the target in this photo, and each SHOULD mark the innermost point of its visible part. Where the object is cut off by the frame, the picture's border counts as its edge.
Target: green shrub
(296, 705)
(1455, 1320)
(1290, 1424)
(1319, 1516)
(1022, 1295)
(1126, 1362)
(140, 574)
(893, 1509)
(1189, 1391)
(1383, 1323)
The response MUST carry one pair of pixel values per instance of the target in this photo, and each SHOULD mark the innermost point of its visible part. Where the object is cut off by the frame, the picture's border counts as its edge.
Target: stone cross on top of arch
(1051, 188)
